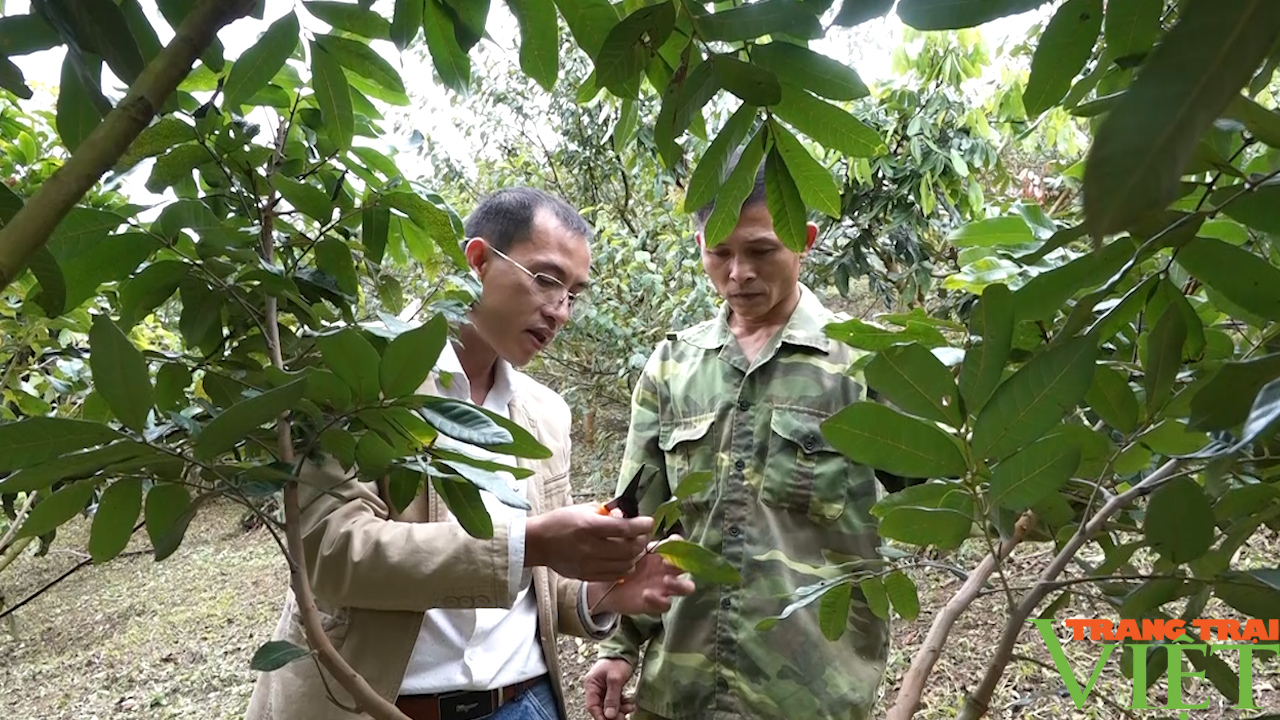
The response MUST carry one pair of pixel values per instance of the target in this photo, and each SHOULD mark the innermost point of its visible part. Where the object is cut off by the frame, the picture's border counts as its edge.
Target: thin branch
(31, 227)
(17, 520)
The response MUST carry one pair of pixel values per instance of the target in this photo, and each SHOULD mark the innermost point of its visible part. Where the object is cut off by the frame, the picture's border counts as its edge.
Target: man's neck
(479, 362)
(753, 333)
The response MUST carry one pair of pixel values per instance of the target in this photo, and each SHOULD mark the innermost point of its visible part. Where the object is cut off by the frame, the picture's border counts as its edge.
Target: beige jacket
(375, 576)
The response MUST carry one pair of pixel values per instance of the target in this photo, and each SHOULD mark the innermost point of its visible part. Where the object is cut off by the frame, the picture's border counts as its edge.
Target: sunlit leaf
(699, 562)
(333, 95)
(351, 18)
(882, 438)
(410, 357)
(1064, 48)
(804, 68)
(539, 40)
(835, 128)
(785, 205)
(984, 362)
(120, 374)
(912, 378)
(1034, 472)
(255, 68)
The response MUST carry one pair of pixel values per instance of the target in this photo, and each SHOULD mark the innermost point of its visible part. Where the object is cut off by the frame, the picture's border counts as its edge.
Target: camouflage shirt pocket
(803, 473)
(687, 446)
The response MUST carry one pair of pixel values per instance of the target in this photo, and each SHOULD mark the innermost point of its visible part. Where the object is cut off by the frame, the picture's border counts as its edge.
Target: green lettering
(1139, 677)
(1177, 673)
(1064, 666)
(1246, 670)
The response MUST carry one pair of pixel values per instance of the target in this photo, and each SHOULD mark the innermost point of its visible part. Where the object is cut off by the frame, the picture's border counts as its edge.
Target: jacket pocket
(335, 625)
(803, 472)
(687, 445)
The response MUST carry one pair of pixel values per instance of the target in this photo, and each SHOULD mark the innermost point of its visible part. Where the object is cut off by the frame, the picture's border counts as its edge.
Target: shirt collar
(804, 327)
(500, 394)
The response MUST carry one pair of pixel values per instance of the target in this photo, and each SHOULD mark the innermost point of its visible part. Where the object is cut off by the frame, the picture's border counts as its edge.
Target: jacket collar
(804, 327)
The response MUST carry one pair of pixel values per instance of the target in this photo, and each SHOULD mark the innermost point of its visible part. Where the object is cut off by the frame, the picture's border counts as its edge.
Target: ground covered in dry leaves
(139, 639)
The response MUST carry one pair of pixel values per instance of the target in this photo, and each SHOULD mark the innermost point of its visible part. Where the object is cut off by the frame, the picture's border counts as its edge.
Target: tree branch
(913, 684)
(30, 229)
(17, 521)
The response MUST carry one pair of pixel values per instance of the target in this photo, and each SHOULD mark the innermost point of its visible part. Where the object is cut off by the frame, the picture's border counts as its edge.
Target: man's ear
(697, 237)
(474, 252)
(811, 236)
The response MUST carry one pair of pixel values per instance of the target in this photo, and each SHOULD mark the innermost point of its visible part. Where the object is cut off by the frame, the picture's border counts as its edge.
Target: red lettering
(1174, 629)
(1204, 627)
(1152, 630)
(1108, 630)
(1254, 630)
(1231, 628)
(1077, 627)
(1128, 630)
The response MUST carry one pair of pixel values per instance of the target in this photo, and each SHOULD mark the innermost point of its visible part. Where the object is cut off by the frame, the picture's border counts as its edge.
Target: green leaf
(709, 175)
(1253, 593)
(488, 481)
(902, 593)
(77, 114)
(463, 421)
(333, 95)
(168, 504)
(817, 188)
(350, 355)
(784, 203)
(806, 69)
(1218, 672)
(149, 288)
(434, 219)
(175, 166)
(957, 14)
(464, 502)
(1179, 521)
(992, 232)
(451, 61)
(912, 378)
(309, 199)
(589, 22)
(154, 140)
(229, 427)
(374, 455)
(754, 85)
(276, 654)
(454, 459)
(362, 60)
(1113, 400)
(539, 40)
(1263, 416)
(51, 512)
(1145, 143)
(11, 79)
(753, 20)
(333, 258)
(375, 224)
(120, 374)
(1034, 399)
(32, 441)
(833, 611)
(1225, 400)
(877, 598)
(1034, 473)
(621, 58)
(681, 103)
(1263, 123)
(113, 521)
(1064, 48)
(935, 513)
(885, 439)
(406, 20)
(736, 188)
(1046, 294)
(26, 34)
(172, 381)
(1241, 276)
(409, 358)
(74, 465)
(865, 336)
(351, 18)
(984, 362)
(700, 562)
(856, 12)
(1132, 26)
(1164, 357)
(260, 63)
(831, 126)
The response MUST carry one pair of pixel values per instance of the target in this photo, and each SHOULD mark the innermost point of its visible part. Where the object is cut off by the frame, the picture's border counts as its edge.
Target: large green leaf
(51, 512)
(1179, 521)
(464, 502)
(833, 611)
(835, 128)
(255, 68)
(120, 374)
(152, 286)
(956, 14)
(432, 217)
(856, 12)
(275, 654)
(463, 421)
(912, 378)
(25, 34)
(1132, 26)
(375, 225)
(354, 359)
(782, 197)
(410, 357)
(1224, 401)
(1034, 472)
(752, 20)
(1241, 276)
(362, 60)
(750, 83)
(77, 114)
(231, 425)
(1255, 593)
(304, 197)
(451, 61)
(1164, 357)
(539, 40)
(983, 366)
(1113, 400)
(709, 176)
(351, 18)
(167, 506)
(902, 593)
(75, 465)
(1146, 142)
(699, 562)
(333, 95)
(681, 103)
(589, 22)
(1046, 294)
(817, 188)
(1010, 230)
(885, 439)
(113, 522)
(865, 336)
(32, 441)
(1034, 399)
(154, 140)
(489, 481)
(406, 21)
(934, 513)
(806, 69)
(333, 258)
(621, 58)
(737, 186)
(1064, 48)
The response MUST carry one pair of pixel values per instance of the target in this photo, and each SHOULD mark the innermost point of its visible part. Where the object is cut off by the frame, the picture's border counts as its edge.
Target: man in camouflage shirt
(744, 396)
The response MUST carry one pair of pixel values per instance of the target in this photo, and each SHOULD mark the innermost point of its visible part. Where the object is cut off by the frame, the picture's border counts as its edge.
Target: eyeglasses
(549, 288)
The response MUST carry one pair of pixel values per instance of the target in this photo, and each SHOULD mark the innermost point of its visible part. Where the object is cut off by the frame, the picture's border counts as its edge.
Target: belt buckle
(467, 705)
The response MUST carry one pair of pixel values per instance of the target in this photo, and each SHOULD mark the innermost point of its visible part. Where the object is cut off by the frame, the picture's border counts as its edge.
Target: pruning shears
(628, 501)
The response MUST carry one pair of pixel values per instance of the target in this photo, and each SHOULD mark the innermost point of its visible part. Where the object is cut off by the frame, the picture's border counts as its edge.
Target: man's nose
(556, 313)
(740, 270)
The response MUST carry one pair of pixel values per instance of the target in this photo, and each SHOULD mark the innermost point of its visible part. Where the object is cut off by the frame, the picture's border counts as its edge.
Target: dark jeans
(536, 703)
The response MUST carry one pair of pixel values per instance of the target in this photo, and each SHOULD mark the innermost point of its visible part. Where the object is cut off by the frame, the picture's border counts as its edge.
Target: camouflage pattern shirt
(782, 499)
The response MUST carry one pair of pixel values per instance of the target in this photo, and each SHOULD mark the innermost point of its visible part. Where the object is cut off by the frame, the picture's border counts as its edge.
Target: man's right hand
(577, 542)
(603, 685)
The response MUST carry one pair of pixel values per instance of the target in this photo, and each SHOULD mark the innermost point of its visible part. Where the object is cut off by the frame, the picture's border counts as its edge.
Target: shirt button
(743, 405)
(809, 443)
(725, 603)
(733, 530)
(740, 464)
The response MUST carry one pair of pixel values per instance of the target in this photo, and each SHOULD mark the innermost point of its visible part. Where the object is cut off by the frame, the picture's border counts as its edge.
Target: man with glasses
(448, 626)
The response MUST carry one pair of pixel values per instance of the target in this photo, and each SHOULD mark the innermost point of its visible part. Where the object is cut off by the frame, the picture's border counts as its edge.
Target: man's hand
(604, 685)
(577, 542)
(647, 590)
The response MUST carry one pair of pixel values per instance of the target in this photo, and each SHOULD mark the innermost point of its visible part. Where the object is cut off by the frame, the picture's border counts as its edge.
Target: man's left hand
(647, 590)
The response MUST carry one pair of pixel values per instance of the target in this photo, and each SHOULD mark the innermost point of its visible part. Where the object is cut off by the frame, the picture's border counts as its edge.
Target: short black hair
(757, 194)
(505, 217)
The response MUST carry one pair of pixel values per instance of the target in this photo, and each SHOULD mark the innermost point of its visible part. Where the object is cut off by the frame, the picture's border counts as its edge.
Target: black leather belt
(464, 705)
